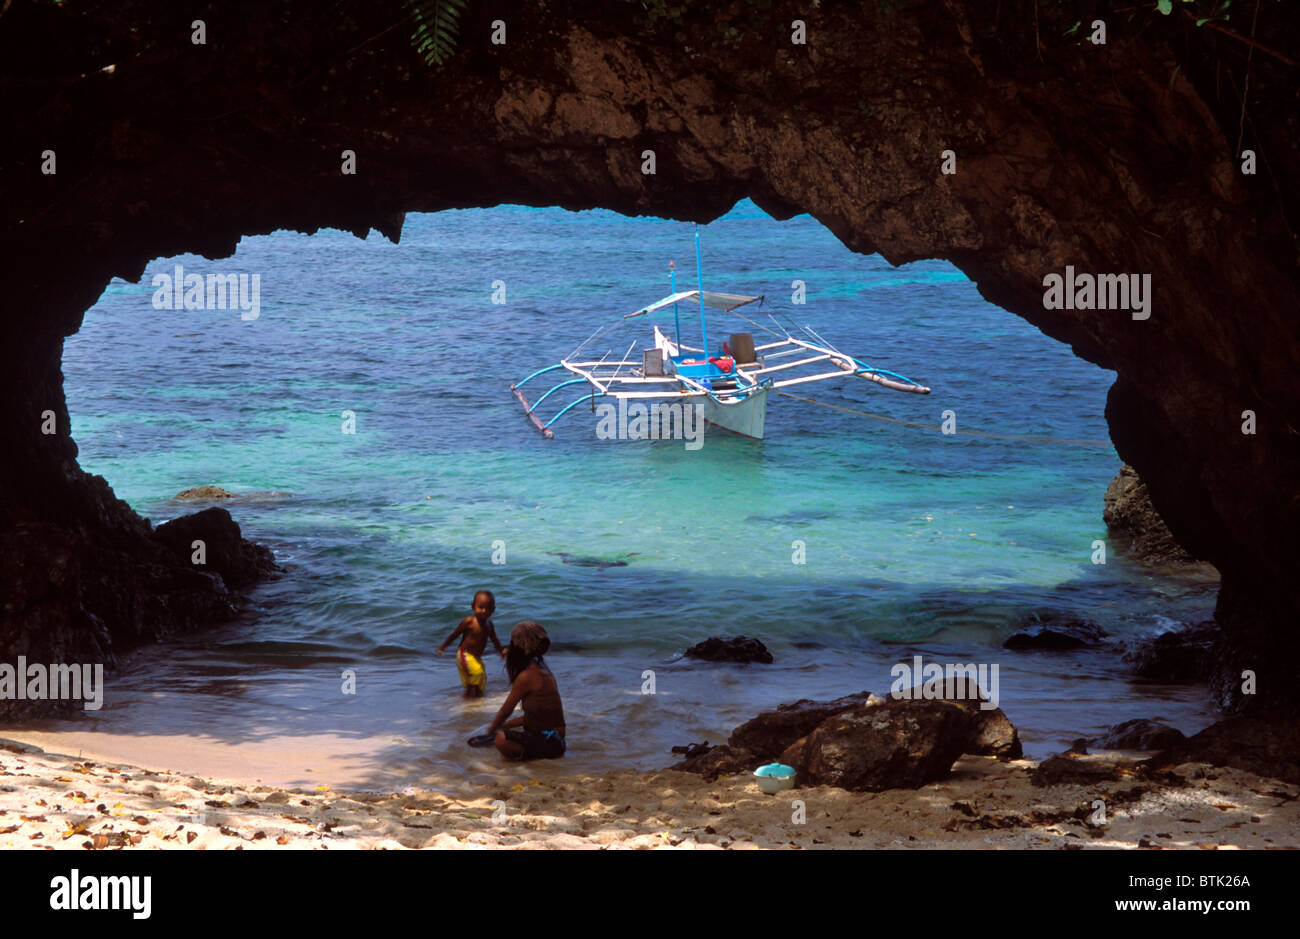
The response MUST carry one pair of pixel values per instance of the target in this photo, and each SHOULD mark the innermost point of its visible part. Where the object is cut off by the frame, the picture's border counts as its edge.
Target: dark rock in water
(720, 761)
(581, 561)
(737, 649)
(199, 493)
(1067, 769)
(895, 745)
(1265, 746)
(1182, 655)
(1138, 734)
(771, 732)
(92, 588)
(1129, 513)
(1054, 631)
(992, 734)
(771, 735)
(239, 562)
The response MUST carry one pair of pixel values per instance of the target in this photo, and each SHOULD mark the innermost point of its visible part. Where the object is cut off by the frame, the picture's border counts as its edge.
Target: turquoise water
(914, 541)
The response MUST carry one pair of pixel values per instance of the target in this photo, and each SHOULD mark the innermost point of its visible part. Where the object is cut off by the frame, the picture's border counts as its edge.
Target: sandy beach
(49, 801)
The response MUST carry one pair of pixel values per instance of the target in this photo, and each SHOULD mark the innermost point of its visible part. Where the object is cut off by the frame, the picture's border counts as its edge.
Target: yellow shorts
(472, 673)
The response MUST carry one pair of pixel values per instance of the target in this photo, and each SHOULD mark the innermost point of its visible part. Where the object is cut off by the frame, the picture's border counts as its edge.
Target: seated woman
(539, 734)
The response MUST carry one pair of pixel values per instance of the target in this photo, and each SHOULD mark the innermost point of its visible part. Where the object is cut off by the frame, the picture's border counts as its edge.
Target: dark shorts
(547, 745)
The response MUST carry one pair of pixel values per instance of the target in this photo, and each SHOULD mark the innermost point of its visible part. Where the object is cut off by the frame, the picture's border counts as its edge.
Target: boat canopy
(718, 301)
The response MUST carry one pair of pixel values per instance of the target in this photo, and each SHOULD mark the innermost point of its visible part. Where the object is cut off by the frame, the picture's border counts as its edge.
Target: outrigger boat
(733, 383)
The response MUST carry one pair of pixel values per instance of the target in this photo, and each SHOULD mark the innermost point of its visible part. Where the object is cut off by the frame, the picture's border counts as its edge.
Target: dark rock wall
(1129, 514)
(1119, 158)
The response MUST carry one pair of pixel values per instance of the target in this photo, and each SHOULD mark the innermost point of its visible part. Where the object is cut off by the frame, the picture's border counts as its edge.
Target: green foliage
(1217, 10)
(436, 28)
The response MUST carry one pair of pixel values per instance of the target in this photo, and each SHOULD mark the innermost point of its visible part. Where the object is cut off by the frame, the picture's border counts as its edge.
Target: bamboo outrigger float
(732, 384)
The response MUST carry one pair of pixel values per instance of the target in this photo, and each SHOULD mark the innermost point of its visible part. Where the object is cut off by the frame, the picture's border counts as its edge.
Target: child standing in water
(474, 631)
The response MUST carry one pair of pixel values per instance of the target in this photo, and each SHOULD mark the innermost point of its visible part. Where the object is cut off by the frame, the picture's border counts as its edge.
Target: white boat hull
(745, 417)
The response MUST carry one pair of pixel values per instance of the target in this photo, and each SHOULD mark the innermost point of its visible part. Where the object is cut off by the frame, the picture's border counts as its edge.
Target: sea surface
(912, 541)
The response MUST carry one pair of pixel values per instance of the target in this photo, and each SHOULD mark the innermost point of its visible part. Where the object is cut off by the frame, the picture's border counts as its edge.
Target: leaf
(1165, 6)
(437, 28)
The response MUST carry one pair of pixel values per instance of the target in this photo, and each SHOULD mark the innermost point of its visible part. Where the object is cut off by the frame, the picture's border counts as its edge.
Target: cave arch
(1109, 159)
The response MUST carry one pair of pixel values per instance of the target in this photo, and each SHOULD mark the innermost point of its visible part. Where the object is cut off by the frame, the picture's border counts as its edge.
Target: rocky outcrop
(768, 734)
(763, 738)
(736, 649)
(1177, 656)
(223, 550)
(1055, 632)
(1267, 747)
(85, 594)
(1125, 157)
(203, 494)
(856, 758)
(895, 745)
(1130, 515)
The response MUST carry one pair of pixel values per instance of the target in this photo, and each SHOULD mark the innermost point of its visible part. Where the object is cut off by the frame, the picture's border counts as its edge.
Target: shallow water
(914, 541)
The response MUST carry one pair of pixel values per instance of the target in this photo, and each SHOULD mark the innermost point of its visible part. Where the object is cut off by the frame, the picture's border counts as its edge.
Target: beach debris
(691, 750)
(1053, 632)
(736, 649)
(900, 744)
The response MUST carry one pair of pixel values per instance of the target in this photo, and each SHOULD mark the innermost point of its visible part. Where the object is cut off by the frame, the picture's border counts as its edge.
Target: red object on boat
(725, 363)
(546, 431)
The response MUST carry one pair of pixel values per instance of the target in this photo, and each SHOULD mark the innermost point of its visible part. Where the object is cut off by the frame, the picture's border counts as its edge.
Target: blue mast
(699, 275)
(677, 323)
